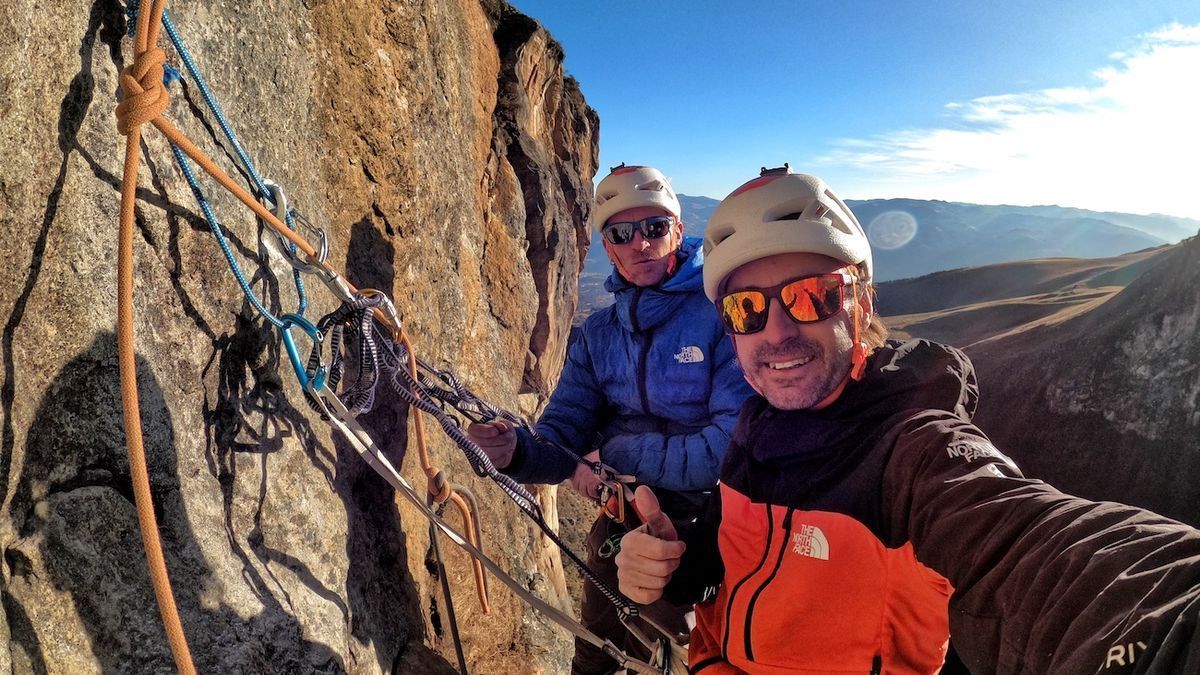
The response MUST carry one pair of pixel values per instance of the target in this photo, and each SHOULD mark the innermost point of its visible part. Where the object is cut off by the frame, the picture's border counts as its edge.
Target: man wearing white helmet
(650, 383)
(862, 521)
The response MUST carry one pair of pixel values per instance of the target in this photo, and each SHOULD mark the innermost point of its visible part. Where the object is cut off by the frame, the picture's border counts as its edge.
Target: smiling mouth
(788, 365)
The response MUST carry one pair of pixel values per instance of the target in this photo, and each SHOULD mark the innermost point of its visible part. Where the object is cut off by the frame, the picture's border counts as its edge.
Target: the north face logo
(690, 354)
(809, 541)
(972, 449)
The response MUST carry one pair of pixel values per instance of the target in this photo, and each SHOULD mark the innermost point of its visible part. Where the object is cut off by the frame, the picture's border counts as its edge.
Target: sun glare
(1127, 141)
(891, 230)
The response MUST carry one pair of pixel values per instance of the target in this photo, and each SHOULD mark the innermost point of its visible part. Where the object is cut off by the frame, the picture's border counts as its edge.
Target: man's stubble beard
(825, 380)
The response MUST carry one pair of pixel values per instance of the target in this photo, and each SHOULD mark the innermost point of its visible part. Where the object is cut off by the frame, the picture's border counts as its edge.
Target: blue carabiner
(289, 320)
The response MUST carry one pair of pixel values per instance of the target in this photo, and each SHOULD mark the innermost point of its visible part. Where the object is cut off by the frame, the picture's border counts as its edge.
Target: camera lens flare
(891, 230)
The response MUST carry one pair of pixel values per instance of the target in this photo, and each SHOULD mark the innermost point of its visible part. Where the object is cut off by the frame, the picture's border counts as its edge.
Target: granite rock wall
(449, 158)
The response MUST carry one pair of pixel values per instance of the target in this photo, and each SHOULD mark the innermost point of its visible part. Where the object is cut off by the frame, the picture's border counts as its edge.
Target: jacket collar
(645, 308)
(901, 378)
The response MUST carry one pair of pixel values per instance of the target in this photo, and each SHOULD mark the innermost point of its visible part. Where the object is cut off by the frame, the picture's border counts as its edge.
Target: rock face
(450, 160)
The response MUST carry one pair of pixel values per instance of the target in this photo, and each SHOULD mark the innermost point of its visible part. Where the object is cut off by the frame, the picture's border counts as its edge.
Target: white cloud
(1129, 141)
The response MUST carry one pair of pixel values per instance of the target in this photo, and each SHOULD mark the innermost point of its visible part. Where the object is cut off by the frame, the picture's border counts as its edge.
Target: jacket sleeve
(696, 581)
(570, 420)
(700, 568)
(690, 461)
(1043, 581)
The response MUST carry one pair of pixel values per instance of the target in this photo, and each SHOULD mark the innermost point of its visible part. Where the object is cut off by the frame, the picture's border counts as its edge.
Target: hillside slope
(1089, 370)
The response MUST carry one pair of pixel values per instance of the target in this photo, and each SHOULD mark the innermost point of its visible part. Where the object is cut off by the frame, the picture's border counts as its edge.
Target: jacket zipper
(644, 351)
(877, 665)
(733, 593)
(642, 388)
(787, 530)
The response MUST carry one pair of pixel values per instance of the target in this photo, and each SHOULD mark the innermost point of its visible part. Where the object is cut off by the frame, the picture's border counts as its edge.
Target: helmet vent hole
(719, 233)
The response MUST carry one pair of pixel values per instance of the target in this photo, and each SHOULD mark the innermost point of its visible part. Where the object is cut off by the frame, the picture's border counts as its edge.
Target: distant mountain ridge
(695, 213)
(949, 235)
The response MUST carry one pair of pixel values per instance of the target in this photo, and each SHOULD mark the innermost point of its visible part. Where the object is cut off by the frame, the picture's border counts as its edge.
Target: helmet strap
(677, 240)
(858, 355)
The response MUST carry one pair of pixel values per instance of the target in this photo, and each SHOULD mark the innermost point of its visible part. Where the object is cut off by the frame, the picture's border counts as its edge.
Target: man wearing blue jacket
(650, 387)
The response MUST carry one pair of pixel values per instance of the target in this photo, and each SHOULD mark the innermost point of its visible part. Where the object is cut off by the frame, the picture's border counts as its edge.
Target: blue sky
(1087, 104)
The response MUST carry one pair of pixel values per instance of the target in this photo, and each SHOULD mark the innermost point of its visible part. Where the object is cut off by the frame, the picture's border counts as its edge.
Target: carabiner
(611, 500)
(385, 305)
(335, 283)
(287, 249)
(317, 378)
(310, 263)
(614, 492)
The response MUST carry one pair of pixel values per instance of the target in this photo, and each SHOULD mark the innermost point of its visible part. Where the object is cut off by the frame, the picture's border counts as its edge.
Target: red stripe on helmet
(753, 184)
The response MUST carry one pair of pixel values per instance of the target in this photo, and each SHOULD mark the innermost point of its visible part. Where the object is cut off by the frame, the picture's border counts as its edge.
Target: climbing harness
(366, 317)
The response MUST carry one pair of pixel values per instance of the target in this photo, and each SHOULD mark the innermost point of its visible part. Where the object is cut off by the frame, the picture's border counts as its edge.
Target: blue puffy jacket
(651, 380)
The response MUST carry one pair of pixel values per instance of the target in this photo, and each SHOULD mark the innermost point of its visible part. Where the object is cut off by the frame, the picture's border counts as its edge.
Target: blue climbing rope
(218, 233)
(211, 101)
(257, 183)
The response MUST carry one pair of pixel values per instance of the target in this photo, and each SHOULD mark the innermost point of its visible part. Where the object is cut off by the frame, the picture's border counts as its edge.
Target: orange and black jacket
(861, 537)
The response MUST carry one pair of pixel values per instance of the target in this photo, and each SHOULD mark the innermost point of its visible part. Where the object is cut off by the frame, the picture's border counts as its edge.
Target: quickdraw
(445, 387)
(143, 84)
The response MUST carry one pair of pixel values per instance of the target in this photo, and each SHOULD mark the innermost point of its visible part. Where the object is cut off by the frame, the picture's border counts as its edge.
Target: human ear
(608, 250)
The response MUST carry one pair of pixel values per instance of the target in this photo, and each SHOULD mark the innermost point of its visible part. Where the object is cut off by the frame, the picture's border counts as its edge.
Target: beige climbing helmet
(780, 212)
(628, 187)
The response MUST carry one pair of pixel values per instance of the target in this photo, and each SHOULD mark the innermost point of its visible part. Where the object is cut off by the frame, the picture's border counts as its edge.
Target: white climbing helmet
(780, 212)
(628, 187)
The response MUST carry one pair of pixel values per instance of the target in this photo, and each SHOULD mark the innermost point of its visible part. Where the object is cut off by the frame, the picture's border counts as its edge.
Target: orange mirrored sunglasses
(805, 299)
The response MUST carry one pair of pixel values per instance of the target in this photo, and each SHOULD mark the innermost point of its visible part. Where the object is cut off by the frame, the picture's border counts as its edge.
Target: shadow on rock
(80, 550)
(383, 599)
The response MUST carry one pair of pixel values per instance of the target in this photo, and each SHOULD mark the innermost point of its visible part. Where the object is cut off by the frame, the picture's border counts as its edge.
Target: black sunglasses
(651, 228)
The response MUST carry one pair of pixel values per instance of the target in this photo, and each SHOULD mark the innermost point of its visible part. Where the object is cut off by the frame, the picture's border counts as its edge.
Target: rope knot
(440, 488)
(145, 96)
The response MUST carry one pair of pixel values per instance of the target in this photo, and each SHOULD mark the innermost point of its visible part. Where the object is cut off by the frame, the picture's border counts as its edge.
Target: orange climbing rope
(441, 489)
(145, 100)
(142, 103)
